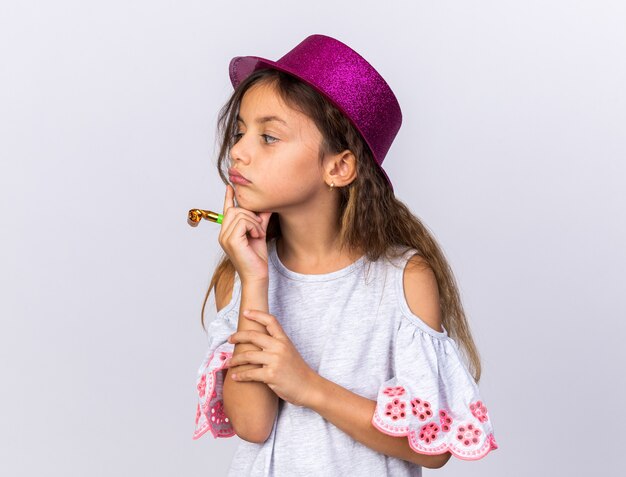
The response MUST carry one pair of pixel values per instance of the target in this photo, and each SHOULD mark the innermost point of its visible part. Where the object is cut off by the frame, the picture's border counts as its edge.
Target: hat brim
(241, 67)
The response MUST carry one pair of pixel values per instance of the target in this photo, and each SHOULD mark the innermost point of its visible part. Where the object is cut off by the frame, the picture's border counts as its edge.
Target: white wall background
(512, 151)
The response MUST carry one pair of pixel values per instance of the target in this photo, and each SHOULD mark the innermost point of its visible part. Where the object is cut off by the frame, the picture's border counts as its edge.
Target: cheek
(299, 169)
(298, 181)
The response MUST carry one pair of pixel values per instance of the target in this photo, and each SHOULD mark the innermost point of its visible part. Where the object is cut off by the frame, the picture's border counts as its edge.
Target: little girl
(335, 347)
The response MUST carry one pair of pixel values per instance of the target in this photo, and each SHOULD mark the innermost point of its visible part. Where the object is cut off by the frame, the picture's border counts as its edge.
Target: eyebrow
(264, 119)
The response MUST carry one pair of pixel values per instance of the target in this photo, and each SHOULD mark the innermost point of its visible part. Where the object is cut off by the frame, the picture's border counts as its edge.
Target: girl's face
(278, 156)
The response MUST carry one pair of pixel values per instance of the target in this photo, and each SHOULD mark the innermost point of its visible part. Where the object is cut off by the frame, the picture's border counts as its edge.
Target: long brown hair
(372, 219)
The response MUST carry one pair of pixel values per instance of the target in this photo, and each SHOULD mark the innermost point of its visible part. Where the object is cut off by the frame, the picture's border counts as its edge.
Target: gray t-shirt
(354, 327)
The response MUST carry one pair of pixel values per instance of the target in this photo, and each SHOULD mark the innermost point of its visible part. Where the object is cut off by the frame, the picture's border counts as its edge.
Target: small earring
(332, 184)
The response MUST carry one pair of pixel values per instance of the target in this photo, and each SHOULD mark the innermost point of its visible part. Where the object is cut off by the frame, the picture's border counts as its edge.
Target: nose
(238, 153)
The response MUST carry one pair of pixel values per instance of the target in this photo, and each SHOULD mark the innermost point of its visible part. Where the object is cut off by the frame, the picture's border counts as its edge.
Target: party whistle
(195, 215)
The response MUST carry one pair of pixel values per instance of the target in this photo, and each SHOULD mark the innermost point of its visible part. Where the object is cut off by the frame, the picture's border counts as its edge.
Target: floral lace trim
(432, 431)
(210, 409)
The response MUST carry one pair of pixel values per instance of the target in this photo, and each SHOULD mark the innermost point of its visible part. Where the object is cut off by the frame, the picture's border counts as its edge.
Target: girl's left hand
(284, 370)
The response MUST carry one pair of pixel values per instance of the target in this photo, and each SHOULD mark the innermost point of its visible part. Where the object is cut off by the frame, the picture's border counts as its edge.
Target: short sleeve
(432, 398)
(210, 414)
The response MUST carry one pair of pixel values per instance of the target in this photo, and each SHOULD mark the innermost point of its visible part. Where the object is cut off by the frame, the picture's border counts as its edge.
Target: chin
(245, 201)
(249, 200)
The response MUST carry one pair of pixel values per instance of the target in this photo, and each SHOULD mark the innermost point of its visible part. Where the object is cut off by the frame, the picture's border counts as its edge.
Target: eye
(266, 136)
(268, 139)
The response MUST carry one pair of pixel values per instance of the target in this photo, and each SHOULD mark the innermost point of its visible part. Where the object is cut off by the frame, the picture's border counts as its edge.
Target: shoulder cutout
(224, 289)
(421, 291)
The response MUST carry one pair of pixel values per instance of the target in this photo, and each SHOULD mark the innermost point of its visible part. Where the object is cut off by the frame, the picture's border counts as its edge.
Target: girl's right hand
(242, 237)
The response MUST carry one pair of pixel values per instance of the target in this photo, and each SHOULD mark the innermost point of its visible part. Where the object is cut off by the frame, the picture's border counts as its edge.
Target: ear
(340, 168)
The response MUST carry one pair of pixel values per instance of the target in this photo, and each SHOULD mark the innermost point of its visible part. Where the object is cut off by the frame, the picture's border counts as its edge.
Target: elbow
(249, 430)
(255, 436)
(255, 440)
(438, 461)
(251, 414)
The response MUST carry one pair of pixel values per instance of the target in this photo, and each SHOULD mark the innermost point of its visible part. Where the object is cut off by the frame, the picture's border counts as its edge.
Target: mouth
(236, 178)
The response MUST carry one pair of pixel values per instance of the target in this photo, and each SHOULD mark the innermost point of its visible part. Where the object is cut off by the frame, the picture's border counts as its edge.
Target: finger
(243, 219)
(262, 340)
(257, 374)
(241, 225)
(248, 357)
(265, 219)
(233, 214)
(267, 319)
(234, 211)
(239, 212)
(228, 199)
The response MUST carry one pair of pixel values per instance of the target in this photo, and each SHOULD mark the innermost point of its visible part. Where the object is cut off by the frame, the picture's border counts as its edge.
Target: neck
(309, 242)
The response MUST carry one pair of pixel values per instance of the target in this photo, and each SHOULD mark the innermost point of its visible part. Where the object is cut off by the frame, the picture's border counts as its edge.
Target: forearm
(353, 414)
(251, 406)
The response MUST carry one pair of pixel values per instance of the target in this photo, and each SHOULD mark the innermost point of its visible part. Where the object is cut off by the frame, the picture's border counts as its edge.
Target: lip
(236, 177)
